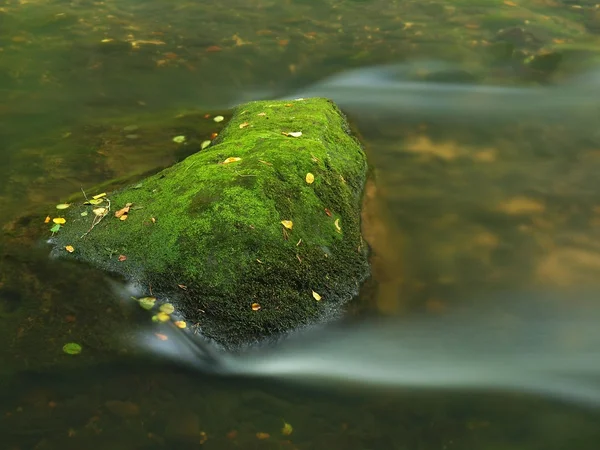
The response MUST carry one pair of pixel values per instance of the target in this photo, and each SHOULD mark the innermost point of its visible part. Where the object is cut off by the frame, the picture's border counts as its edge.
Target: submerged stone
(234, 235)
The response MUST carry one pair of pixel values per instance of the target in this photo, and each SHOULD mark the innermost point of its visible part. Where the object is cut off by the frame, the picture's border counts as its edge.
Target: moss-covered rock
(208, 235)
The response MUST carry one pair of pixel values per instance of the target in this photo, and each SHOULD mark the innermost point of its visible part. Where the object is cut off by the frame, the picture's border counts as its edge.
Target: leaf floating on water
(218, 119)
(255, 306)
(262, 436)
(180, 324)
(232, 159)
(179, 139)
(72, 348)
(310, 178)
(94, 201)
(287, 429)
(337, 225)
(69, 248)
(55, 228)
(96, 197)
(244, 125)
(63, 205)
(205, 144)
(288, 224)
(122, 258)
(59, 220)
(99, 211)
(162, 337)
(47, 219)
(147, 302)
(316, 296)
(167, 308)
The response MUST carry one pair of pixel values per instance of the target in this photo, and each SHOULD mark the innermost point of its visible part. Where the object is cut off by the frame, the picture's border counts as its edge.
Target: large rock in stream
(256, 235)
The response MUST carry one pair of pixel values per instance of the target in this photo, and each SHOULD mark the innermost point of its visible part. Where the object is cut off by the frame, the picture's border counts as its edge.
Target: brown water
(91, 91)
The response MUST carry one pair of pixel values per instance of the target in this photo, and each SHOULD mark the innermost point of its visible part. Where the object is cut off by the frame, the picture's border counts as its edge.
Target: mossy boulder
(211, 233)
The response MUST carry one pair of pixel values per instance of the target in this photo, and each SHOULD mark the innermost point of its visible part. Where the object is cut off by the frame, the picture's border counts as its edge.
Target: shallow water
(477, 331)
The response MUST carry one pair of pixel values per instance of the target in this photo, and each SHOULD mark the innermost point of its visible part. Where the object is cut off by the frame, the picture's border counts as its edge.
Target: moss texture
(216, 229)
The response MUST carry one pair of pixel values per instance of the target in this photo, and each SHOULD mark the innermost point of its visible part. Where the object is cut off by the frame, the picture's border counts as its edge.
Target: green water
(92, 91)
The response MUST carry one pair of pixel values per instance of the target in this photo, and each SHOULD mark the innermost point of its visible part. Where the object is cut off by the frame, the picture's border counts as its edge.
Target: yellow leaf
(262, 114)
(231, 159)
(96, 197)
(63, 206)
(293, 133)
(288, 224)
(69, 248)
(218, 119)
(162, 317)
(47, 219)
(509, 3)
(310, 178)
(124, 217)
(244, 125)
(59, 220)
(337, 225)
(255, 306)
(167, 308)
(180, 324)
(95, 201)
(316, 296)
(262, 436)
(99, 211)
(287, 429)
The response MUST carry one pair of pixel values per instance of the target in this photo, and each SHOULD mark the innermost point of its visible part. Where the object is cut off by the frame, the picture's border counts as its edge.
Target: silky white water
(542, 343)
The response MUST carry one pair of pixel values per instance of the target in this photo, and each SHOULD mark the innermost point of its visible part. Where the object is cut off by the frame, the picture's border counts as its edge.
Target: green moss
(216, 228)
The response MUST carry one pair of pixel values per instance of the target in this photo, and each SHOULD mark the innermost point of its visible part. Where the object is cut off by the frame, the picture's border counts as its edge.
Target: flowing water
(479, 327)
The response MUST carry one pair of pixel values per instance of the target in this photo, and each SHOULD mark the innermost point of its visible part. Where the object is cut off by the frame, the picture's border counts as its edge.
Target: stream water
(479, 327)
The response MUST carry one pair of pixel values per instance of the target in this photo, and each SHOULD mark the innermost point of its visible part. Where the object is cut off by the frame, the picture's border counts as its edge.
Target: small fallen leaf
(84, 213)
(255, 306)
(265, 162)
(100, 211)
(288, 224)
(180, 324)
(147, 302)
(95, 201)
(218, 119)
(179, 139)
(63, 205)
(213, 135)
(153, 219)
(293, 133)
(47, 219)
(124, 210)
(232, 159)
(69, 248)
(162, 317)
(244, 125)
(316, 296)
(509, 3)
(162, 337)
(262, 436)
(328, 212)
(182, 286)
(203, 437)
(59, 220)
(167, 308)
(124, 217)
(204, 144)
(287, 429)
(97, 196)
(122, 258)
(262, 114)
(72, 348)
(310, 178)
(55, 228)
(337, 225)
